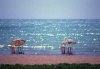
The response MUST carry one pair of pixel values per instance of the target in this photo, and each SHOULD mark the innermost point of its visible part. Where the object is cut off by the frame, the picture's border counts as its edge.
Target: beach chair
(20, 50)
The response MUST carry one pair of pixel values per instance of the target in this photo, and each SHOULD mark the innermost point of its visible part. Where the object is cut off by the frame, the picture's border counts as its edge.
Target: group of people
(17, 50)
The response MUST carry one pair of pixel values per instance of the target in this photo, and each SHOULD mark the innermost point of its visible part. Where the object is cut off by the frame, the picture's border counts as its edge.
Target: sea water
(44, 36)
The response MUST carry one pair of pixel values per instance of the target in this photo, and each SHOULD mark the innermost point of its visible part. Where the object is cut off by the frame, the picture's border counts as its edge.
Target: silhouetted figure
(69, 51)
(63, 50)
(13, 50)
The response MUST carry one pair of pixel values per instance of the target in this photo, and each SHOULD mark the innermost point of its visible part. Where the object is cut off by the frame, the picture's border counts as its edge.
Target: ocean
(44, 36)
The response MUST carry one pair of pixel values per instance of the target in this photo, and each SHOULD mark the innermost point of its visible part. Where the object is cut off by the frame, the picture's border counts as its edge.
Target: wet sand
(47, 59)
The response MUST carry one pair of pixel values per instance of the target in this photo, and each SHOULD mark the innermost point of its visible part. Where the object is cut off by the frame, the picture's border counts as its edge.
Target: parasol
(68, 41)
(17, 42)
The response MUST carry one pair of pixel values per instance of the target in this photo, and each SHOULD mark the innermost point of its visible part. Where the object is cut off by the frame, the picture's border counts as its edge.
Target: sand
(47, 59)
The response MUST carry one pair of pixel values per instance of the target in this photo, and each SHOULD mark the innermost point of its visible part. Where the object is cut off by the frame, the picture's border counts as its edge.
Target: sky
(49, 9)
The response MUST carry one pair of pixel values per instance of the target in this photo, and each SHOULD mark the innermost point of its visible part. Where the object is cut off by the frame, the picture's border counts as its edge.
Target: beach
(47, 59)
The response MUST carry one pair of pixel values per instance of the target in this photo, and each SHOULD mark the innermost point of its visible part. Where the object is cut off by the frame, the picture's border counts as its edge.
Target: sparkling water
(44, 36)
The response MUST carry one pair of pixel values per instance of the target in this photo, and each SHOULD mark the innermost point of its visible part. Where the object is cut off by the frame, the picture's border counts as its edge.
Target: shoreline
(47, 59)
